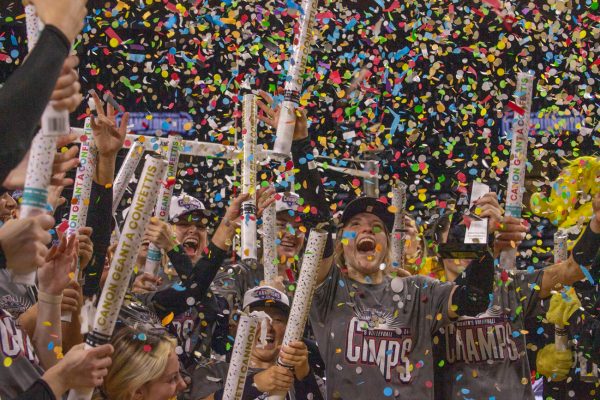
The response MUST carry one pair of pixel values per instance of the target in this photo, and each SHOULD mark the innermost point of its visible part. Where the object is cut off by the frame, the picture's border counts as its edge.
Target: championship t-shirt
(376, 340)
(485, 357)
(19, 363)
(15, 298)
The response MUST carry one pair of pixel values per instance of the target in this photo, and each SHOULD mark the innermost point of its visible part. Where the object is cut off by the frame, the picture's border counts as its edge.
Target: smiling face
(166, 386)
(193, 236)
(275, 332)
(365, 245)
(290, 238)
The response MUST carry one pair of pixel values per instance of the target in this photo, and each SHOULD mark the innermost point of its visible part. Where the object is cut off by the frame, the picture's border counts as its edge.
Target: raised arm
(582, 256)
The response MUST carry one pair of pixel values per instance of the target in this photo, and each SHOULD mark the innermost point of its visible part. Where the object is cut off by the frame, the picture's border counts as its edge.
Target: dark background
(440, 72)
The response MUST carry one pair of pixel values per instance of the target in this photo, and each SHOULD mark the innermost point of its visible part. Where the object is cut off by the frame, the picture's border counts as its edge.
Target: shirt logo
(485, 338)
(375, 337)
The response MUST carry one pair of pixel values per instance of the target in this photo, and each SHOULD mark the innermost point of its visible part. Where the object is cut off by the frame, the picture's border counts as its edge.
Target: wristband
(49, 298)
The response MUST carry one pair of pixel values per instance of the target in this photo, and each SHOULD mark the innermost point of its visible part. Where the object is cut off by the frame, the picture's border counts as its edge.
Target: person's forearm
(100, 220)
(47, 338)
(27, 320)
(565, 273)
(104, 174)
(25, 95)
(586, 248)
(311, 185)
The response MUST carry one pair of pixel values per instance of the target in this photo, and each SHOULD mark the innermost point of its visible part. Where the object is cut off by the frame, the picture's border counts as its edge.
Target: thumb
(102, 351)
(45, 221)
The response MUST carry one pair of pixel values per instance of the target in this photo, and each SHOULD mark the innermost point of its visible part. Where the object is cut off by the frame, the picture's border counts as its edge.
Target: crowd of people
(433, 327)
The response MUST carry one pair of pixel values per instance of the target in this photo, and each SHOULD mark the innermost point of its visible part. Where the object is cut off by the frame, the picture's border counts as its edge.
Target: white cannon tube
(248, 248)
(518, 161)
(163, 202)
(126, 172)
(42, 152)
(304, 291)
(561, 253)
(399, 203)
(122, 263)
(293, 85)
(240, 358)
(269, 237)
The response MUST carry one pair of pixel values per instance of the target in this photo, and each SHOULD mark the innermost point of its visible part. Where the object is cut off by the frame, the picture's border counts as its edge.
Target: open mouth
(365, 245)
(190, 246)
(288, 244)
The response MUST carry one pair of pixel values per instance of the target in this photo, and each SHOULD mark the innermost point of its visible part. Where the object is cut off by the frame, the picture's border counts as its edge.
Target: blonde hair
(140, 356)
(563, 207)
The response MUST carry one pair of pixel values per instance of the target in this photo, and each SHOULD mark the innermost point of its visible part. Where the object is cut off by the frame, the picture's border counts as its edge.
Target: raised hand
(270, 115)
(109, 137)
(510, 234)
(161, 234)
(23, 242)
(55, 274)
(86, 247)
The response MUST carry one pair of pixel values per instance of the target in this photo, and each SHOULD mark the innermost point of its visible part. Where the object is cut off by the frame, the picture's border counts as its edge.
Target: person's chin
(367, 267)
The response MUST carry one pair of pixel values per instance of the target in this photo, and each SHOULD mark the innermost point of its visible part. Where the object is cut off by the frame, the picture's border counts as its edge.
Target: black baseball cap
(369, 205)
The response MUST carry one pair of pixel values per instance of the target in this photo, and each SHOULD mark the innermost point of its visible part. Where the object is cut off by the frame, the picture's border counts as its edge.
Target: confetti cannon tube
(43, 149)
(293, 84)
(249, 179)
(82, 190)
(163, 201)
(561, 254)
(240, 358)
(269, 229)
(121, 267)
(399, 203)
(304, 291)
(126, 172)
(518, 160)
(371, 180)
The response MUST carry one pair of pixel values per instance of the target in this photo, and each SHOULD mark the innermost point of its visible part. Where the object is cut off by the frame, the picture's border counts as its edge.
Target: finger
(86, 231)
(51, 253)
(268, 121)
(102, 351)
(66, 86)
(110, 110)
(265, 108)
(69, 302)
(64, 140)
(70, 103)
(62, 245)
(123, 126)
(266, 96)
(71, 62)
(99, 106)
(44, 221)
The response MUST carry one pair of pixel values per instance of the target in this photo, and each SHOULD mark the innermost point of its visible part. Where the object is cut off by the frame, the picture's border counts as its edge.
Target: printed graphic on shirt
(376, 337)
(485, 338)
(183, 325)
(15, 305)
(13, 341)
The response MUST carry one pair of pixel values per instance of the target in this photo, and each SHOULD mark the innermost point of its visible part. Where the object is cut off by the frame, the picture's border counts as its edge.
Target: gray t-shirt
(19, 364)
(486, 356)
(15, 298)
(376, 340)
